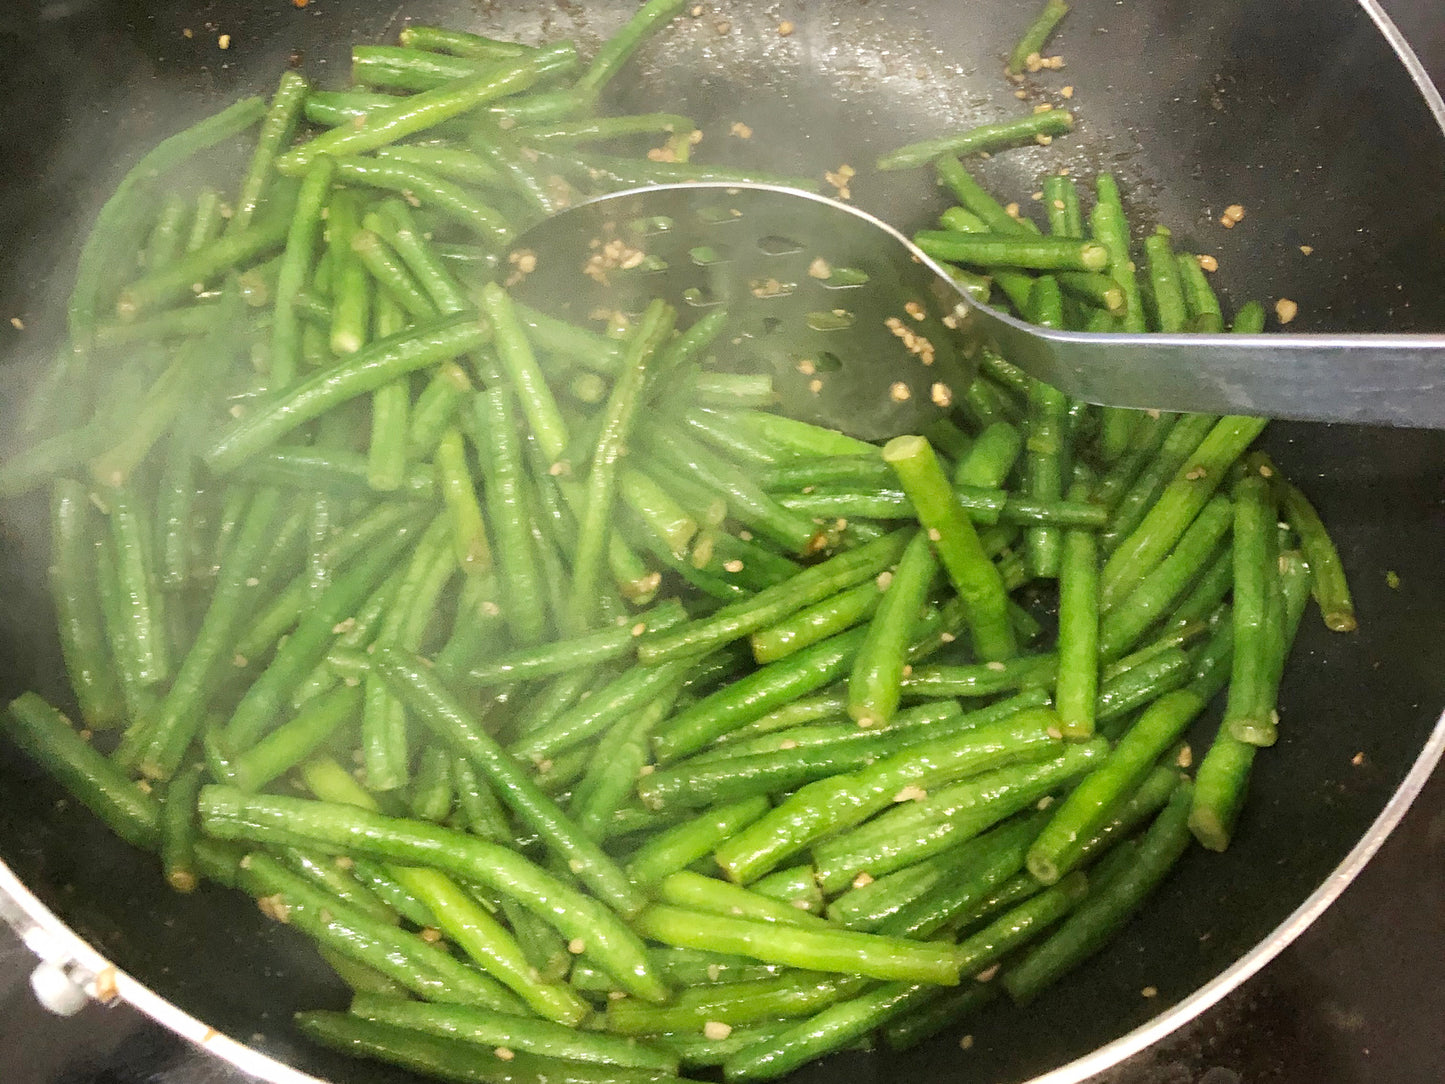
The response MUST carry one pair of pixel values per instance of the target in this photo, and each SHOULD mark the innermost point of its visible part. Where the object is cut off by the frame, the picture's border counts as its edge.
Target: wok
(1307, 113)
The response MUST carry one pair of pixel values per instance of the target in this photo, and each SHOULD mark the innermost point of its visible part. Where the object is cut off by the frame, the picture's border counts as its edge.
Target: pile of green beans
(587, 748)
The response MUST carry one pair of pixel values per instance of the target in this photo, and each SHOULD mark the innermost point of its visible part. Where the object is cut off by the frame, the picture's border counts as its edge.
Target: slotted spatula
(864, 332)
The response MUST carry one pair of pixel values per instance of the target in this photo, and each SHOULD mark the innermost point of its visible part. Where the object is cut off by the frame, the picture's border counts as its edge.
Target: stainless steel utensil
(850, 315)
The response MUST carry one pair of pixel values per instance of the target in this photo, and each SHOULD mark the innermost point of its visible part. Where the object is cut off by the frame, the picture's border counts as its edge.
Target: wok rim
(54, 943)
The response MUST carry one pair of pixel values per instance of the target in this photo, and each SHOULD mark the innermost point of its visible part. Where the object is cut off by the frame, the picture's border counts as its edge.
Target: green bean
(137, 580)
(177, 720)
(1046, 303)
(422, 968)
(78, 614)
(945, 1009)
(779, 767)
(1328, 585)
(293, 741)
(594, 648)
(826, 806)
(712, 896)
(1110, 227)
(745, 699)
(1248, 715)
(430, 189)
(1061, 205)
(983, 679)
(306, 469)
(416, 113)
(1121, 693)
(618, 48)
(626, 693)
(439, 710)
(166, 241)
(875, 684)
(1202, 305)
(361, 978)
(1208, 591)
(984, 138)
(789, 994)
(435, 409)
(256, 712)
(1108, 907)
(395, 223)
(209, 218)
(834, 1028)
(520, 366)
(176, 281)
(1170, 313)
(277, 128)
(593, 129)
(731, 390)
(1156, 593)
(816, 623)
(297, 268)
(377, 365)
(1181, 500)
(333, 108)
(1035, 36)
(329, 874)
(980, 866)
(698, 1051)
(609, 781)
(991, 459)
(869, 903)
(842, 471)
(1088, 807)
(469, 535)
(991, 250)
(459, 43)
(1078, 672)
(352, 286)
(451, 1059)
(618, 420)
(385, 737)
(1044, 454)
(514, 169)
(976, 579)
(845, 951)
(1181, 437)
(677, 452)
(391, 277)
(228, 813)
(678, 847)
(45, 735)
(503, 473)
(492, 1029)
(913, 831)
(113, 239)
(795, 886)
(1248, 319)
(773, 604)
(577, 345)
(386, 448)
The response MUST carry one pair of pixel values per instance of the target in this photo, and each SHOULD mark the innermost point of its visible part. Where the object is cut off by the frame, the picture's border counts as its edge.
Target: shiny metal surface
(714, 249)
(815, 293)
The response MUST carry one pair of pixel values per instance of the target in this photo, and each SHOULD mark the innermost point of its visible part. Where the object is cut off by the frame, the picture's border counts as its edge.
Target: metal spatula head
(865, 333)
(853, 329)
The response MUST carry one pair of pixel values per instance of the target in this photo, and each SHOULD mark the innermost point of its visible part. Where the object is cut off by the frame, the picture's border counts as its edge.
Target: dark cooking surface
(1356, 999)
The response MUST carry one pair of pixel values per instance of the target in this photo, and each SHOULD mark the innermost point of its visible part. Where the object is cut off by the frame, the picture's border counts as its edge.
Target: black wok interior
(1296, 109)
